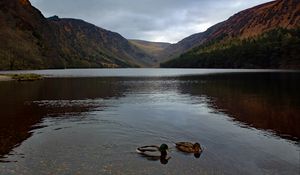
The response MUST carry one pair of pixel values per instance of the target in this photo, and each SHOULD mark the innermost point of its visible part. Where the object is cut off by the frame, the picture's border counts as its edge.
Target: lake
(90, 121)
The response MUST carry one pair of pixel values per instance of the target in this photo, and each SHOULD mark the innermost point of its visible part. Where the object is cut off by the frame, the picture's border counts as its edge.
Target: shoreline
(20, 77)
(5, 78)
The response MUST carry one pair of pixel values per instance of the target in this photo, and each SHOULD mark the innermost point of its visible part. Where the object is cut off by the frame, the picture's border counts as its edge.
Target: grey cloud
(154, 20)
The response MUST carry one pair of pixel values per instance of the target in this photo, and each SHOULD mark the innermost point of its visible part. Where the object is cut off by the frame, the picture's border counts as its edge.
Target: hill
(151, 48)
(264, 29)
(28, 40)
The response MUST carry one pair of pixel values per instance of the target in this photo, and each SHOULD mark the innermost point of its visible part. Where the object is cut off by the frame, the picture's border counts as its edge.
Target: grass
(26, 77)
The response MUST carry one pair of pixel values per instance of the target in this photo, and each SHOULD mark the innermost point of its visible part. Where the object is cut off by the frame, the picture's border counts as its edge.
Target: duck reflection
(268, 101)
(188, 148)
(155, 153)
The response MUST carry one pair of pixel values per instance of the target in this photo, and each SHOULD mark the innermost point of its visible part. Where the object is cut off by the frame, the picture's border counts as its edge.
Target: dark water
(248, 123)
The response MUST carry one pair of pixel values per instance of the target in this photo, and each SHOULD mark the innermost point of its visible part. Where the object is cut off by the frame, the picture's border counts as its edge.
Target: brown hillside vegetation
(30, 41)
(248, 23)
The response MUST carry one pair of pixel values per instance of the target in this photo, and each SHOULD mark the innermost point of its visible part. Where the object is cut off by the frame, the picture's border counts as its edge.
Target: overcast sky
(153, 20)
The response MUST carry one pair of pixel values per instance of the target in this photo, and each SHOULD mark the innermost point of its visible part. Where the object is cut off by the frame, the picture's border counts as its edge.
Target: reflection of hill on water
(264, 101)
(268, 101)
(24, 105)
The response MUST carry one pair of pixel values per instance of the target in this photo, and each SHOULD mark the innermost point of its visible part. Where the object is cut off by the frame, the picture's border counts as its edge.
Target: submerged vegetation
(278, 48)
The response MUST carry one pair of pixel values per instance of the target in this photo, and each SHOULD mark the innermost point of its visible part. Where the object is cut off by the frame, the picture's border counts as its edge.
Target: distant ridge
(151, 48)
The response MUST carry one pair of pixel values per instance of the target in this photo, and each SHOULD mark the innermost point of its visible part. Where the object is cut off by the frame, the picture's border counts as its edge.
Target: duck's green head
(163, 147)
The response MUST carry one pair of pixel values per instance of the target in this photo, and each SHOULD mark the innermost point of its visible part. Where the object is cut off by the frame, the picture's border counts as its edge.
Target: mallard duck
(154, 152)
(188, 147)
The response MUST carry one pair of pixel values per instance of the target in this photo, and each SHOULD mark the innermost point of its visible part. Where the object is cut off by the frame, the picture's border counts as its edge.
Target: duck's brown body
(188, 147)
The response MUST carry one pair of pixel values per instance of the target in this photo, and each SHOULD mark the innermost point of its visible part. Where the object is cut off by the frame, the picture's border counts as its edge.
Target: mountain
(265, 36)
(93, 46)
(186, 44)
(23, 30)
(276, 17)
(28, 40)
(151, 48)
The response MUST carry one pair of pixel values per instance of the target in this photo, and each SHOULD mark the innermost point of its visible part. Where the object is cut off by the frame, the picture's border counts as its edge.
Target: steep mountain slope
(25, 36)
(278, 48)
(30, 41)
(151, 48)
(86, 45)
(246, 24)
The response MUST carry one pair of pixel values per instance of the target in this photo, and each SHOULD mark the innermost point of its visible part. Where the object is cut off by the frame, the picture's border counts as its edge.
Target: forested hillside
(279, 48)
(264, 36)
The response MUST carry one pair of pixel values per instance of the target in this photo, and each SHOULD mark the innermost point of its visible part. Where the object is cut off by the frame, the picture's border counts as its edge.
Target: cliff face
(30, 41)
(248, 23)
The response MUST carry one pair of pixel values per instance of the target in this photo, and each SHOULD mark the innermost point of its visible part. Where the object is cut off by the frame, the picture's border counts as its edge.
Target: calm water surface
(91, 121)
